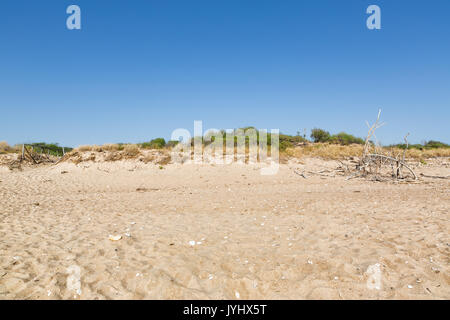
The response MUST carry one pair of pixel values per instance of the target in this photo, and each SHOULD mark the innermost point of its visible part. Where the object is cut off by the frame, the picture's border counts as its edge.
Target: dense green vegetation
(48, 148)
(342, 138)
(345, 139)
(320, 135)
(157, 143)
(285, 141)
(425, 146)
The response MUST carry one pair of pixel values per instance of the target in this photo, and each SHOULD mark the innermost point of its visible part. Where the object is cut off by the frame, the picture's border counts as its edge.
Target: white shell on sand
(115, 238)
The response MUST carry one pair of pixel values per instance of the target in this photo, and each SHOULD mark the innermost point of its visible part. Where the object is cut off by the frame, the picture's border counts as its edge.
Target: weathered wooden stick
(435, 177)
(321, 174)
(35, 162)
(301, 174)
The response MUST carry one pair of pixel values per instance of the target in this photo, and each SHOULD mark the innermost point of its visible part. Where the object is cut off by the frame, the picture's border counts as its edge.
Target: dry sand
(256, 237)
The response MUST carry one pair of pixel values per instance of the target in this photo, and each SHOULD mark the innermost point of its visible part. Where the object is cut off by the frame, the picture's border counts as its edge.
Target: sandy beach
(220, 232)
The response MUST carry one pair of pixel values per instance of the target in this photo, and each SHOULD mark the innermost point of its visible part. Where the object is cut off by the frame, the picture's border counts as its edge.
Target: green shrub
(345, 139)
(435, 145)
(426, 146)
(49, 148)
(320, 135)
(287, 141)
(157, 143)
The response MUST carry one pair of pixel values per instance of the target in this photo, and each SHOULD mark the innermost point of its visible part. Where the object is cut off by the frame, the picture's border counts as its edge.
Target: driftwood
(320, 173)
(435, 177)
(31, 156)
(300, 174)
(373, 163)
(34, 157)
(400, 164)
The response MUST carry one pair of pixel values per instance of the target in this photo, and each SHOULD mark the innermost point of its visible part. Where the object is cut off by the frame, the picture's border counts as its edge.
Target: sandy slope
(256, 237)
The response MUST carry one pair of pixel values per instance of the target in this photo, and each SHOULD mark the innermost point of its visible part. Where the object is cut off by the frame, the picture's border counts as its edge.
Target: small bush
(108, 147)
(320, 135)
(157, 143)
(5, 148)
(131, 150)
(345, 139)
(172, 143)
(287, 141)
(85, 148)
(435, 145)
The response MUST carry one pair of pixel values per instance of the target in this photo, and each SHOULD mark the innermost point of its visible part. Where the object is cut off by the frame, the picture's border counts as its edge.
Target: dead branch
(373, 163)
(300, 174)
(30, 155)
(321, 174)
(371, 132)
(396, 161)
(435, 177)
(407, 146)
(346, 169)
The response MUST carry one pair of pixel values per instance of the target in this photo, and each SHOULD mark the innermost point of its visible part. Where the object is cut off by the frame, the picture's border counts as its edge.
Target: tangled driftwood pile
(374, 164)
(377, 165)
(30, 157)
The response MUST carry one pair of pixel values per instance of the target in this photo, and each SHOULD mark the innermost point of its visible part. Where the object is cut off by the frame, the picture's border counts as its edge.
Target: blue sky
(140, 69)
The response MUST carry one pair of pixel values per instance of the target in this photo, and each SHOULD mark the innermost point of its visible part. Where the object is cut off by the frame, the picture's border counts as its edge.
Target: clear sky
(140, 69)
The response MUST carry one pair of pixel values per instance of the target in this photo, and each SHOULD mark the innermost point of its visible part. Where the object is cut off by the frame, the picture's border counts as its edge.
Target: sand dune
(219, 232)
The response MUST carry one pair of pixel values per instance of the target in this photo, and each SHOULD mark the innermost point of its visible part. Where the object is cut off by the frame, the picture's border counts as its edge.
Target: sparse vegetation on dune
(49, 148)
(322, 145)
(157, 143)
(429, 145)
(326, 151)
(39, 147)
(342, 138)
(336, 152)
(6, 148)
(102, 148)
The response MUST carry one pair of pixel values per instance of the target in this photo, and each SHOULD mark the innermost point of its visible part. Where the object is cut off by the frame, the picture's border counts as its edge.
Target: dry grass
(164, 159)
(326, 151)
(336, 152)
(103, 148)
(113, 152)
(427, 154)
(84, 148)
(109, 147)
(131, 150)
(6, 148)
